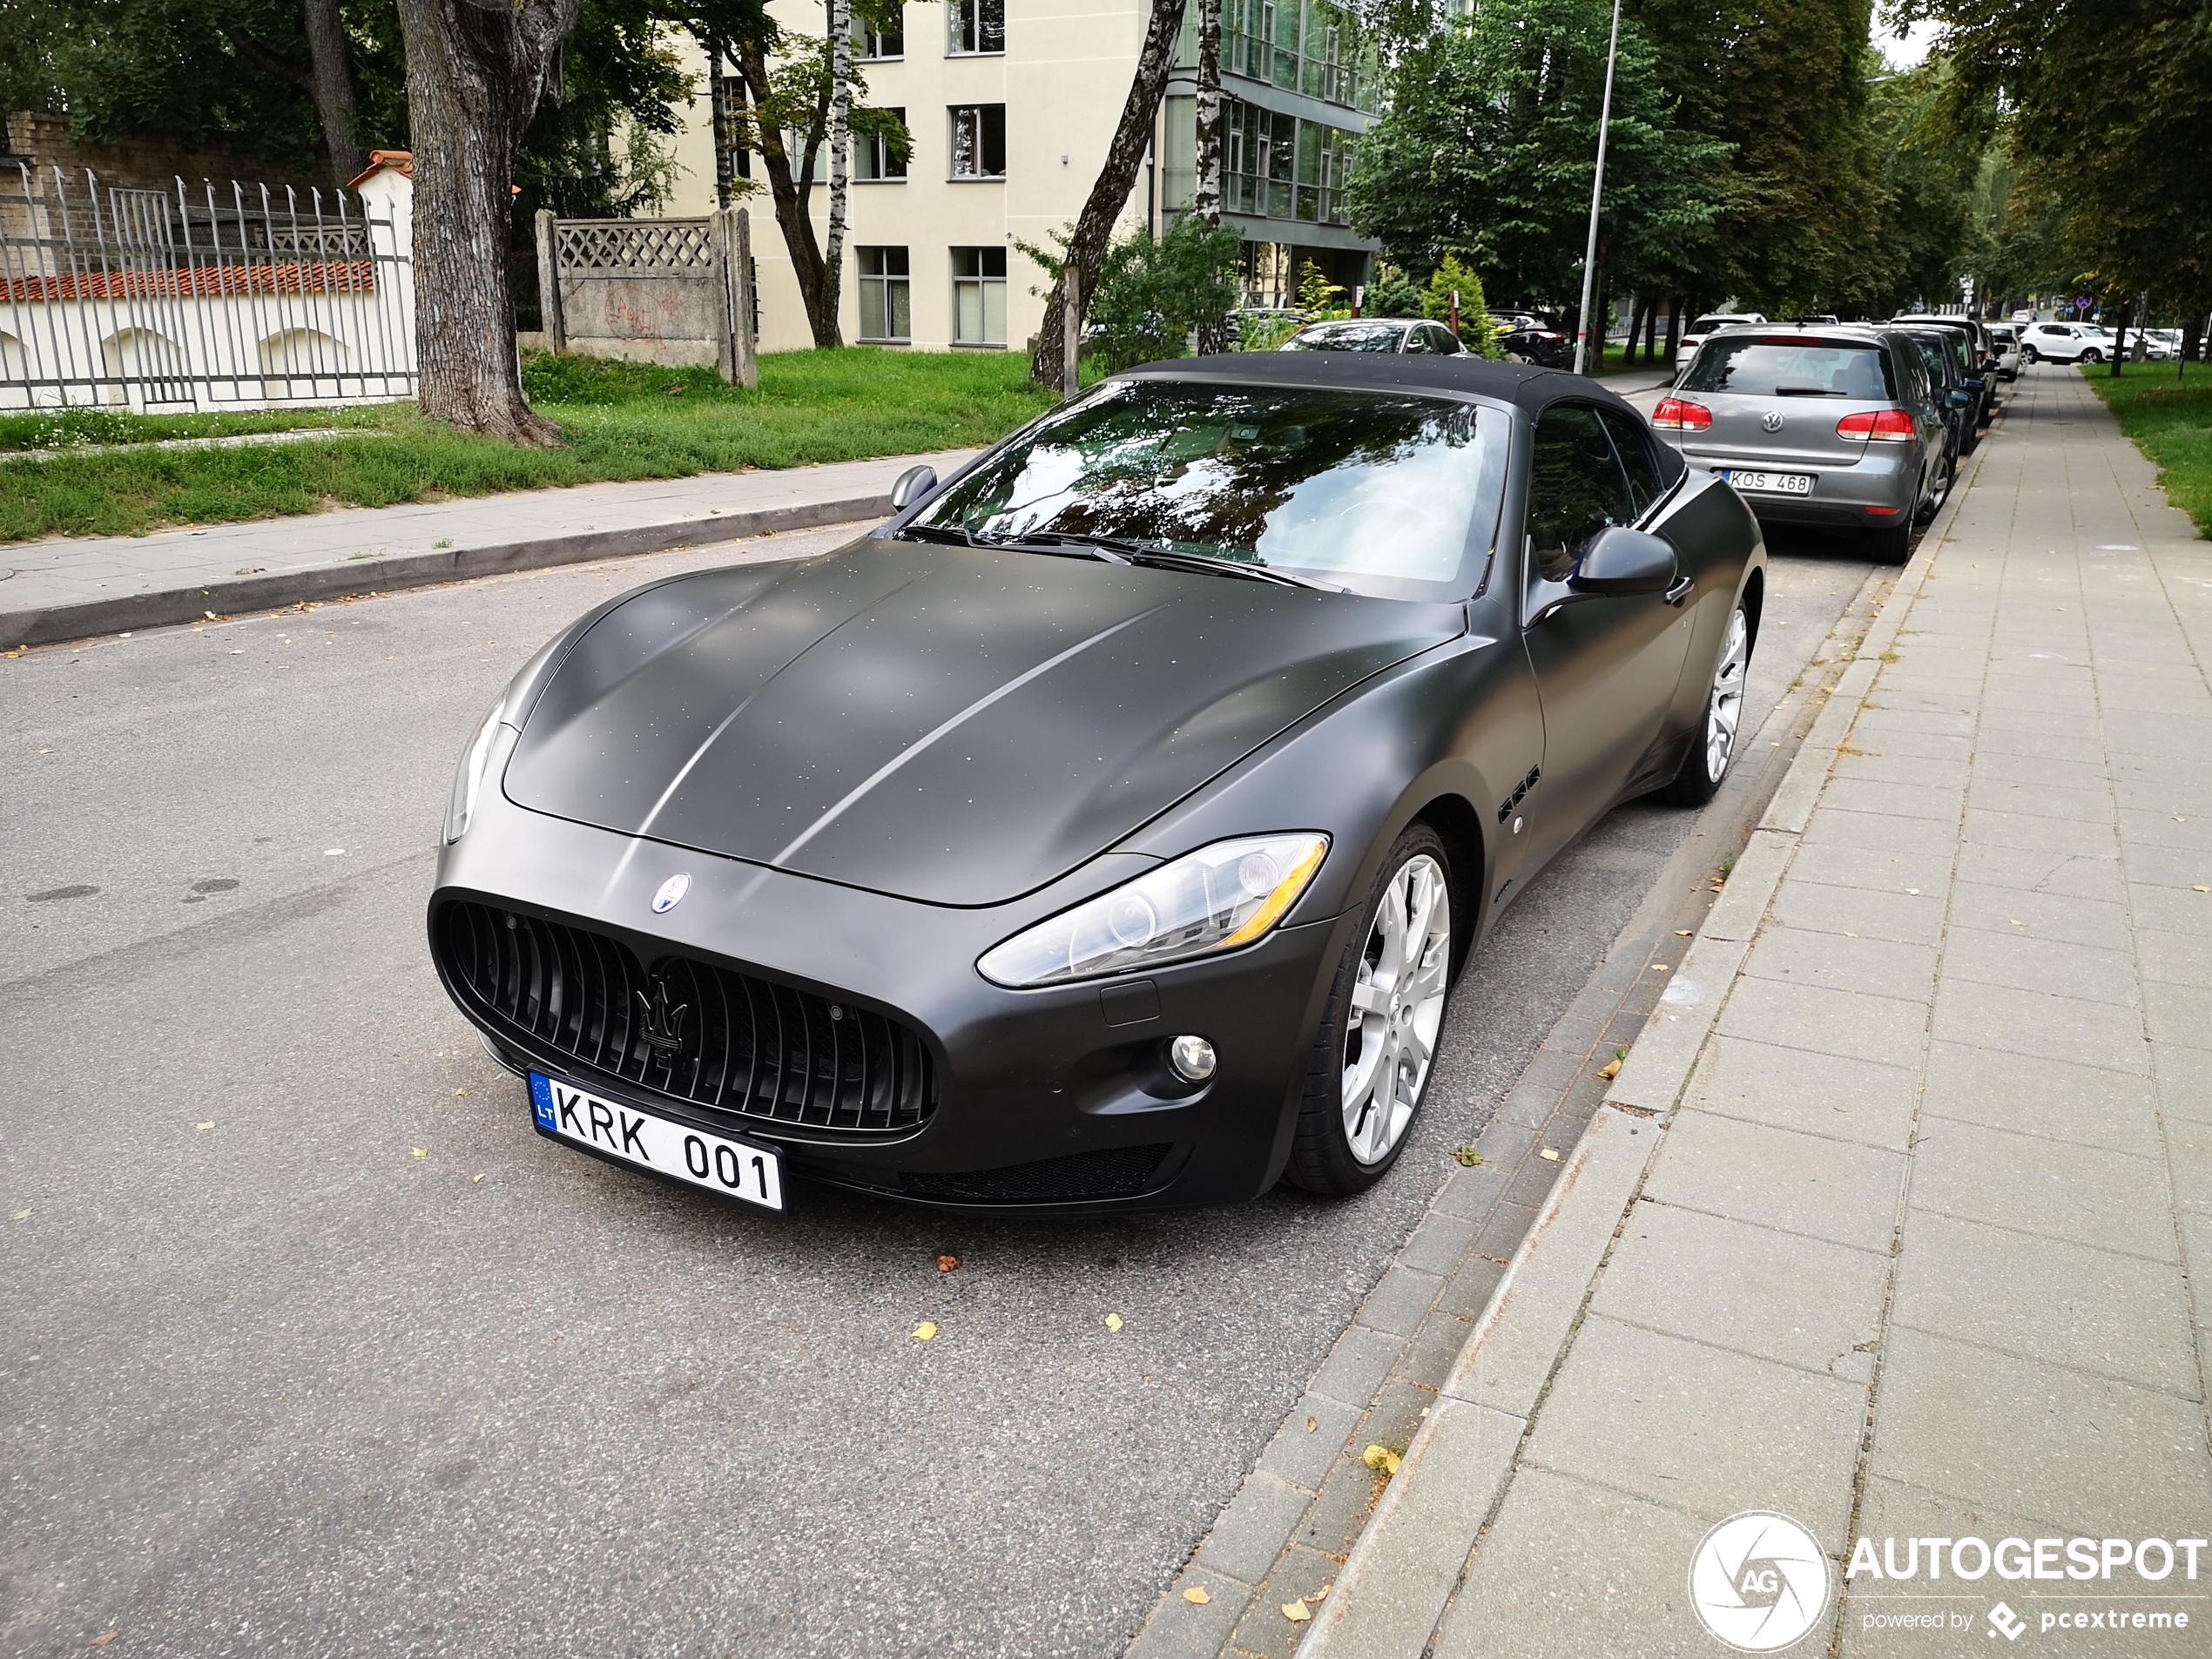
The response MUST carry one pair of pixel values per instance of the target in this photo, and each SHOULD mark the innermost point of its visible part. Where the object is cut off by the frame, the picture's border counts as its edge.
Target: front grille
(1111, 1174)
(688, 1030)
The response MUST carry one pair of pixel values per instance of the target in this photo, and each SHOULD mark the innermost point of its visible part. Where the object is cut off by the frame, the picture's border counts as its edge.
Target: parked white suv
(2063, 342)
(1693, 336)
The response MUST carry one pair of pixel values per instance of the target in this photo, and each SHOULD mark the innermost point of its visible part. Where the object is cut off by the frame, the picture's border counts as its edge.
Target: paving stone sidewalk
(68, 588)
(1899, 1245)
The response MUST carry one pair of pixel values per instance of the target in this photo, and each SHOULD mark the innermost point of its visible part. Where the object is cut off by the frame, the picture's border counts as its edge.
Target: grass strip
(619, 421)
(2168, 417)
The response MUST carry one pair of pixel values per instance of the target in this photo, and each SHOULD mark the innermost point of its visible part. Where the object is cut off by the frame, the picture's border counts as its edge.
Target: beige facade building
(1011, 104)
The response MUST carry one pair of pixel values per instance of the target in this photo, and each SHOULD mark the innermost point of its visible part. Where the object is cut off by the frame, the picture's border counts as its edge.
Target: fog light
(1192, 1059)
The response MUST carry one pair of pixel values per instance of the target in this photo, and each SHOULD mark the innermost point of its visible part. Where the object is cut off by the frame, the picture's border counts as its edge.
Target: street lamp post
(1597, 194)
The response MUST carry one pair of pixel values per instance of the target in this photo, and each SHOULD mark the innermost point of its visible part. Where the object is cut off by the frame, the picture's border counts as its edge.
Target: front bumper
(1044, 1101)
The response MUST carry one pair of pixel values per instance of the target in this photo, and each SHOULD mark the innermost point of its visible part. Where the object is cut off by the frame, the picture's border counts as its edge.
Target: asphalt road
(311, 1346)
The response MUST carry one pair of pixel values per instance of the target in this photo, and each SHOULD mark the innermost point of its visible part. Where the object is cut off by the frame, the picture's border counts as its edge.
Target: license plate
(1774, 483)
(752, 1171)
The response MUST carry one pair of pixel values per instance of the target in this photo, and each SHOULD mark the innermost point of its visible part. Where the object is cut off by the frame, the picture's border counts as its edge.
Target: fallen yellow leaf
(948, 1263)
(1382, 1460)
(1548, 1153)
(1296, 1612)
(475, 1180)
(25, 1214)
(420, 1153)
(1310, 1424)
(459, 1091)
(2204, 889)
(102, 1639)
(927, 1331)
(1681, 933)
(1113, 1322)
(1322, 1594)
(1196, 1595)
(1658, 968)
(203, 1128)
(1612, 1070)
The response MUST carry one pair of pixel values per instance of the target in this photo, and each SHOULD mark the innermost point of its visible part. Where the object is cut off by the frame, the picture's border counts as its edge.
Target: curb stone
(52, 624)
(1391, 1592)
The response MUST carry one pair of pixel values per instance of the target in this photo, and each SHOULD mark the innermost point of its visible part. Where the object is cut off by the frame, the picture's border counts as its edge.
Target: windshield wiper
(1804, 391)
(951, 534)
(1174, 559)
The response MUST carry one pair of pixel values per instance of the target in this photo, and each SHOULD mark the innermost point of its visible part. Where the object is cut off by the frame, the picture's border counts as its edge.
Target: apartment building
(1011, 104)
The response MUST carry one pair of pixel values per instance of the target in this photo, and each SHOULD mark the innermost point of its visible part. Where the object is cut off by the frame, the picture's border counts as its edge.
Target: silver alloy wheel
(1397, 1009)
(1724, 710)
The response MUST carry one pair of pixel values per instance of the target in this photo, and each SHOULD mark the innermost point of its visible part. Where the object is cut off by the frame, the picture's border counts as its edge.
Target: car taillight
(1674, 415)
(1878, 425)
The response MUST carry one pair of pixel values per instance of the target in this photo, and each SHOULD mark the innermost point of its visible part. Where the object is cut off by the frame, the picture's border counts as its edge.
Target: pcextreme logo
(1758, 1582)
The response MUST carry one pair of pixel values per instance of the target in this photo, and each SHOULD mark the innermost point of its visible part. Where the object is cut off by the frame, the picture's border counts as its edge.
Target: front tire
(1377, 1046)
(2093, 355)
(1712, 751)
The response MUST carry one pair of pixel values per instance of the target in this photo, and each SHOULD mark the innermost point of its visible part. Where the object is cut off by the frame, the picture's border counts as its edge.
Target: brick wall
(143, 161)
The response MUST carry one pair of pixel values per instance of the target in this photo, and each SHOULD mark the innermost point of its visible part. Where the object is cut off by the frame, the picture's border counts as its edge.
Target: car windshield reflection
(1377, 492)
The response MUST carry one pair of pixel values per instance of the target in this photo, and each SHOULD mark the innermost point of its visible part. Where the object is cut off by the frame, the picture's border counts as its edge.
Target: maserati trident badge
(660, 1026)
(672, 894)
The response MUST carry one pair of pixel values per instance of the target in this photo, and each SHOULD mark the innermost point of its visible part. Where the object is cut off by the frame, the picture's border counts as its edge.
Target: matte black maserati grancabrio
(1104, 830)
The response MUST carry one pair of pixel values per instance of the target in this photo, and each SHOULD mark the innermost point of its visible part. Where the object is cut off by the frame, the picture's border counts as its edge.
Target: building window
(979, 296)
(887, 303)
(873, 42)
(975, 26)
(872, 162)
(979, 140)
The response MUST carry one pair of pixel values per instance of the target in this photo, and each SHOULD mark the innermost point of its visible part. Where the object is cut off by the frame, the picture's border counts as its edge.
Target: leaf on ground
(1658, 968)
(1549, 1153)
(1681, 933)
(203, 1127)
(1196, 1595)
(926, 1332)
(1310, 1424)
(102, 1639)
(475, 1180)
(2201, 888)
(1296, 1612)
(459, 1091)
(1467, 1155)
(948, 1263)
(1382, 1460)
(25, 1214)
(1113, 1322)
(1612, 1070)
(1322, 1594)
(420, 1153)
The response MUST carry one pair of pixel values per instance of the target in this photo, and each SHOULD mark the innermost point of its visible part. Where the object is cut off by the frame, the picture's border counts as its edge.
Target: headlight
(1219, 898)
(486, 754)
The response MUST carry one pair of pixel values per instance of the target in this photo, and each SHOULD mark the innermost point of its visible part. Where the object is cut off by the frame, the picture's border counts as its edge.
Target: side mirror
(914, 484)
(1959, 401)
(1623, 561)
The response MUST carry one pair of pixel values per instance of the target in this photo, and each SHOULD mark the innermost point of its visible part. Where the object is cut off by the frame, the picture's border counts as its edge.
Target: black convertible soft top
(1533, 388)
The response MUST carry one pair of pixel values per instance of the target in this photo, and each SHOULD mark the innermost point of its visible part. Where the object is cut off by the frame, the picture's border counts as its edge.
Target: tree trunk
(718, 118)
(1638, 305)
(2119, 336)
(334, 89)
(473, 81)
(841, 109)
(1087, 249)
(1651, 332)
(1675, 303)
(790, 190)
(1206, 193)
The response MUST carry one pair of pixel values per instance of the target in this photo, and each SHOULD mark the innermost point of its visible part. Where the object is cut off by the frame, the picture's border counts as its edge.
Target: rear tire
(2093, 355)
(1376, 1050)
(1892, 546)
(1712, 748)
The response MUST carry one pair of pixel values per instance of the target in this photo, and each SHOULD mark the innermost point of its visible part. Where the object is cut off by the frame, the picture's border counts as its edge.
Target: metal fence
(167, 303)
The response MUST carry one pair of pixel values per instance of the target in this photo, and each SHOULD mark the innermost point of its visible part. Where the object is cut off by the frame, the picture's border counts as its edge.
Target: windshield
(1942, 363)
(1384, 493)
(1758, 365)
(1348, 336)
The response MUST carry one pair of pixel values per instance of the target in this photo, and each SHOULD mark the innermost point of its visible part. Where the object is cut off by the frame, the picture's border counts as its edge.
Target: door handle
(1680, 591)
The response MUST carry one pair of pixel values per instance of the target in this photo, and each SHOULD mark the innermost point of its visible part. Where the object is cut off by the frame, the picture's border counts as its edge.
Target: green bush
(1478, 328)
(1392, 295)
(1151, 294)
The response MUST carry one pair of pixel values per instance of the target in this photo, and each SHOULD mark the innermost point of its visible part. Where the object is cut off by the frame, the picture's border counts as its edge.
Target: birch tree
(1205, 198)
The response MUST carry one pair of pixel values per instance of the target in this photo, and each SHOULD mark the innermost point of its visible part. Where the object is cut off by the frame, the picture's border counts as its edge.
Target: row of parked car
(1852, 426)
(1855, 426)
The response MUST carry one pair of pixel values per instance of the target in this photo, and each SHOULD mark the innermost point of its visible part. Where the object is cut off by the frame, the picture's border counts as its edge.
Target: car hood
(959, 726)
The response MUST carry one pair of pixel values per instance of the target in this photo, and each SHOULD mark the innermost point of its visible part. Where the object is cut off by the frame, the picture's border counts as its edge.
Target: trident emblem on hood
(661, 1026)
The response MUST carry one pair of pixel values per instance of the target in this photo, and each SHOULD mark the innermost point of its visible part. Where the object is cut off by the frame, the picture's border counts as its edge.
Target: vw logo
(1758, 1582)
(672, 894)
(1771, 419)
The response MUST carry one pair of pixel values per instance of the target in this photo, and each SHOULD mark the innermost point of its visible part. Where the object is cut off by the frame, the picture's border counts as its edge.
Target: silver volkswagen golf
(1834, 426)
